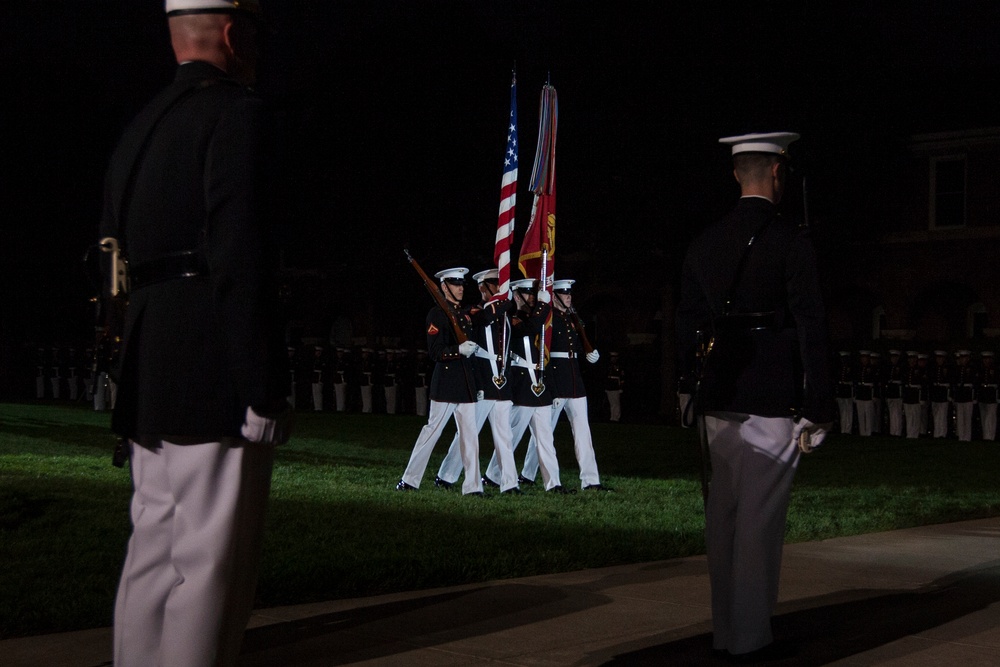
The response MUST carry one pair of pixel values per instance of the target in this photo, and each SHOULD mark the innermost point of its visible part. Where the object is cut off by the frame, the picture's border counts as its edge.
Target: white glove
(468, 348)
(273, 430)
(480, 395)
(593, 356)
(809, 436)
(544, 296)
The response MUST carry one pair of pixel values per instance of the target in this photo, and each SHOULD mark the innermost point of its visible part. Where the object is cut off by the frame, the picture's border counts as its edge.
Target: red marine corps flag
(538, 250)
(508, 199)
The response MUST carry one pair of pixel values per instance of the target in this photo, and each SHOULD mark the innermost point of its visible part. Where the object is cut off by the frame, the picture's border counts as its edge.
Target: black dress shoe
(562, 490)
(441, 483)
(514, 491)
(478, 494)
(490, 483)
(521, 479)
(598, 487)
(403, 486)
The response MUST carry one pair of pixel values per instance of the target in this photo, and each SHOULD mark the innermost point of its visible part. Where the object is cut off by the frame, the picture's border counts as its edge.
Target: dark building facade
(930, 273)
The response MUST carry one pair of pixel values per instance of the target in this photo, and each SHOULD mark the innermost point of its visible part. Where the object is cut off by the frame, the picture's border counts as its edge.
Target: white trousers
(420, 401)
(753, 464)
(102, 392)
(614, 404)
(912, 413)
(845, 406)
(538, 420)
(340, 395)
(390, 399)
(465, 421)
(583, 442)
(866, 416)
(366, 398)
(895, 407)
(988, 419)
(187, 587)
(498, 413)
(683, 401)
(939, 413)
(317, 388)
(963, 421)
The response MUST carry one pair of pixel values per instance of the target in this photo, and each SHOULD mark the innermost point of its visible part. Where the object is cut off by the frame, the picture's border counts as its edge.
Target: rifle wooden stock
(438, 297)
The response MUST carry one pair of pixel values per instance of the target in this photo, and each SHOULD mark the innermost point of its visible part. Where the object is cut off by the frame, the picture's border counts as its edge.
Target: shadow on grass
(834, 627)
(59, 431)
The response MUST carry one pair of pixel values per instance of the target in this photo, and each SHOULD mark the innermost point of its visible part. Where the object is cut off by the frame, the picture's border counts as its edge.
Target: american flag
(508, 199)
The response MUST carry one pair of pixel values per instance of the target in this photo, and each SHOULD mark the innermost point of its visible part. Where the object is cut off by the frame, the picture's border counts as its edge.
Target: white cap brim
(768, 142)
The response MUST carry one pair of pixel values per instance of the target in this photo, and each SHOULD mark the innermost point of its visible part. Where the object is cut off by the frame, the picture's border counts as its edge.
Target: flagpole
(541, 339)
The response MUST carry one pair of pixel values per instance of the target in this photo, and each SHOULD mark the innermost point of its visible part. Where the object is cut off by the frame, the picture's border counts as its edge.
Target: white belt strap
(562, 355)
(492, 352)
(530, 366)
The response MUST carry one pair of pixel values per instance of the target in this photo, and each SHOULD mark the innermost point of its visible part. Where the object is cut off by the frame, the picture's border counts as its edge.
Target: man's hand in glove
(271, 428)
(808, 435)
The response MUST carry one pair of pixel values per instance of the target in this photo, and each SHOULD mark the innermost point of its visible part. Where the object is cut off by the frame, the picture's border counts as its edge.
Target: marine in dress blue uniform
(986, 395)
(913, 385)
(844, 392)
(532, 396)
(201, 392)
(864, 393)
(755, 402)
(963, 394)
(491, 361)
(893, 382)
(940, 390)
(569, 393)
(453, 388)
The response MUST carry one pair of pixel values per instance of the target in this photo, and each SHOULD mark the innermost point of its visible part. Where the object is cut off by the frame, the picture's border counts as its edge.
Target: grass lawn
(337, 528)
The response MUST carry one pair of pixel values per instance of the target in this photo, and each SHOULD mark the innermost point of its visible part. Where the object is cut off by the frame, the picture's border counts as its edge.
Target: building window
(878, 322)
(978, 320)
(948, 192)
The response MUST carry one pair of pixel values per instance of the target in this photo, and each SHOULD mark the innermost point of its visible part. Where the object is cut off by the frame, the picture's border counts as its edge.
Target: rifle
(439, 299)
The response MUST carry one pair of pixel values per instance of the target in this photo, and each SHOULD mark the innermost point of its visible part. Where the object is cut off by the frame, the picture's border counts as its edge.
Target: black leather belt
(182, 264)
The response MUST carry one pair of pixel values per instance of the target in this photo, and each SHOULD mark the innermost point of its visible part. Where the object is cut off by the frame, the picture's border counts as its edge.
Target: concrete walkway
(921, 596)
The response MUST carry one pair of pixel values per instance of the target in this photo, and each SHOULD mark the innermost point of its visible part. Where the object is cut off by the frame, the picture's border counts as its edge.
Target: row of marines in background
(386, 380)
(365, 379)
(904, 394)
(908, 394)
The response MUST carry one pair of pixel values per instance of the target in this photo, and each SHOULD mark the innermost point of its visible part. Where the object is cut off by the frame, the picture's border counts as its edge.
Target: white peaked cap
(769, 142)
(457, 272)
(176, 7)
(488, 274)
(523, 283)
(563, 283)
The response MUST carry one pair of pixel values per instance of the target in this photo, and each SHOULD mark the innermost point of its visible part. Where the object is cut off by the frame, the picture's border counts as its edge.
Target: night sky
(392, 118)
